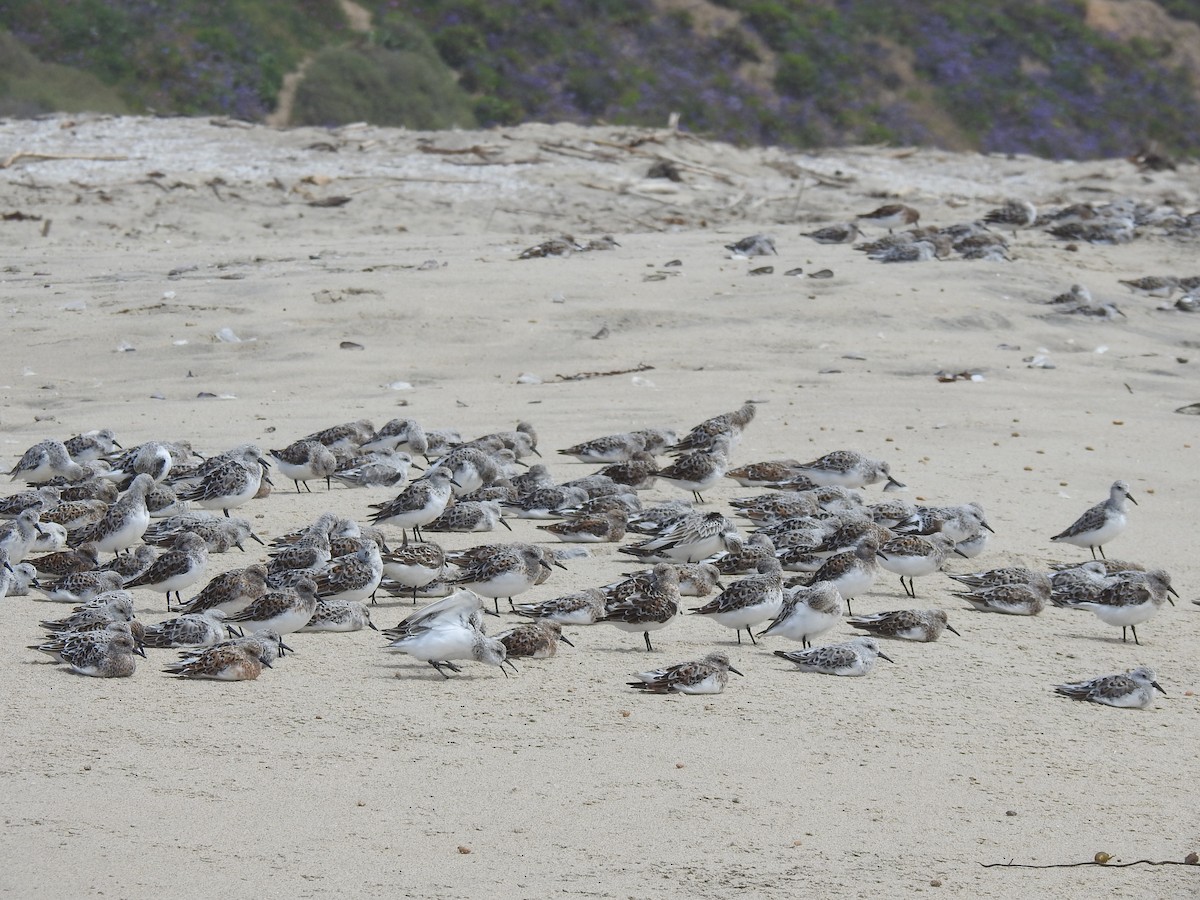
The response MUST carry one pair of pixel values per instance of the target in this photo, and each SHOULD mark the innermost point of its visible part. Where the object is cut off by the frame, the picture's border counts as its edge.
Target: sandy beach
(224, 283)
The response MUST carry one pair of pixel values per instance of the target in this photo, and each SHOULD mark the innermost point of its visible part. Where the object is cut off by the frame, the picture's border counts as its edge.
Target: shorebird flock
(96, 523)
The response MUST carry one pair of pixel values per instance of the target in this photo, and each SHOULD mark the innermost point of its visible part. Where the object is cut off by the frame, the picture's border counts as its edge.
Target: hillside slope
(1057, 78)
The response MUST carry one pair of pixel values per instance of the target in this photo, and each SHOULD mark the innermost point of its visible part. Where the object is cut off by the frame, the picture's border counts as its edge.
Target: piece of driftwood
(583, 376)
(39, 157)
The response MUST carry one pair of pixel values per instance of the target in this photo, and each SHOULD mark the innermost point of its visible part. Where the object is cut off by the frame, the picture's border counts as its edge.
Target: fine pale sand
(348, 770)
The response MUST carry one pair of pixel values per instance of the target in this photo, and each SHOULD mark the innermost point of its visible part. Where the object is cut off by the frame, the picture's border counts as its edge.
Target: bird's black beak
(951, 629)
(566, 640)
(736, 672)
(988, 527)
(509, 527)
(508, 662)
(1155, 684)
(960, 553)
(893, 481)
(255, 537)
(885, 656)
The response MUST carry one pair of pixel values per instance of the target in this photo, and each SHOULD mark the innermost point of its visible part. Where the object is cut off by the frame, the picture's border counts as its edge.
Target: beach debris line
(583, 376)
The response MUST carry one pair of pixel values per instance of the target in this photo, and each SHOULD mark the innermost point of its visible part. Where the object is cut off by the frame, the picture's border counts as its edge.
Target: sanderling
(240, 659)
(76, 514)
(1014, 214)
(1101, 523)
(549, 502)
(418, 504)
(907, 624)
(17, 537)
(219, 534)
(347, 435)
(692, 538)
(959, 523)
(310, 552)
(153, 458)
(917, 251)
(638, 472)
(92, 489)
(748, 602)
(132, 564)
(1129, 600)
(637, 606)
(398, 434)
(579, 608)
(611, 448)
(852, 572)
(853, 658)
(697, 676)
(16, 580)
(91, 445)
(1080, 582)
(470, 516)
(993, 577)
(231, 482)
(190, 630)
(50, 538)
(45, 461)
(704, 435)
(305, 460)
(506, 572)
(379, 469)
(765, 474)
(230, 592)
(767, 509)
(745, 555)
(522, 440)
(808, 612)
(113, 606)
(754, 245)
(1014, 599)
(1075, 295)
(181, 566)
(846, 233)
(39, 499)
(80, 587)
(1162, 286)
(339, 615)
(536, 640)
(471, 467)
(351, 578)
(447, 630)
(656, 519)
(414, 565)
(535, 477)
(910, 556)
(847, 468)
(281, 611)
(890, 216)
(103, 653)
(606, 528)
(1132, 690)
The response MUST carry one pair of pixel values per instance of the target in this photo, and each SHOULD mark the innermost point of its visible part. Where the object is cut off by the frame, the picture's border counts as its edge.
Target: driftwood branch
(26, 154)
(583, 376)
(1189, 861)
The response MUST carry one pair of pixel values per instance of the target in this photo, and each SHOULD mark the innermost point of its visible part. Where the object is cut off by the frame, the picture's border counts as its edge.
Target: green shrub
(382, 86)
(29, 87)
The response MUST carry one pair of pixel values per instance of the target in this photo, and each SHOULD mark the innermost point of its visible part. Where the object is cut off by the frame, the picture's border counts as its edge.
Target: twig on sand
(583, 376)
(30, 155)
(1102, 860)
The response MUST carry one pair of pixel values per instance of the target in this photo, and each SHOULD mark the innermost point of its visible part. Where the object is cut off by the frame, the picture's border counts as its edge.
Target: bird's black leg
(646, 635)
